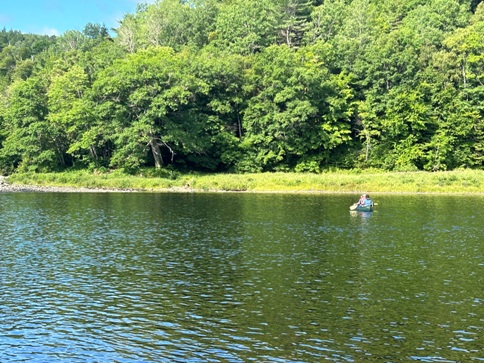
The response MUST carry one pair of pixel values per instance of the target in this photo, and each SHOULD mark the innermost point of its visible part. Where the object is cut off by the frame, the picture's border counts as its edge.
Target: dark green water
(240, 278)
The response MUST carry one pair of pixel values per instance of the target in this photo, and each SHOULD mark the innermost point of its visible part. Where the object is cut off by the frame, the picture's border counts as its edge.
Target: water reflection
(239, 278)
(360, 214)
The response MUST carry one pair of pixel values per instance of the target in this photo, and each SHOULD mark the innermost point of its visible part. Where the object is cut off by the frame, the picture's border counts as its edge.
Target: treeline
(249, 86)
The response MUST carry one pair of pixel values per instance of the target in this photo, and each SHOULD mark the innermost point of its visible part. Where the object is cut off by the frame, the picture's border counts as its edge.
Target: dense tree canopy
(245, 85)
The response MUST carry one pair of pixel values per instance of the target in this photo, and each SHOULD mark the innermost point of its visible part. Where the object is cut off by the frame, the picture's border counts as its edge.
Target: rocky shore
(6, 187)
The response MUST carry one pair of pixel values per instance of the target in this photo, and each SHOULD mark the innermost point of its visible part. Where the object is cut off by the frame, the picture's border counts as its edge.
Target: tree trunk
(93, 152)
(368, 146)
(155, 149)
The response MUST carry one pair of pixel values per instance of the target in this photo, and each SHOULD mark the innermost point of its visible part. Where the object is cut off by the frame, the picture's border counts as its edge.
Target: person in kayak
(365, 200)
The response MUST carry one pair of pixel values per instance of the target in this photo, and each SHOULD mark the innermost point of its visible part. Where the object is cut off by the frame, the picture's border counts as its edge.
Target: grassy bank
(464, 181)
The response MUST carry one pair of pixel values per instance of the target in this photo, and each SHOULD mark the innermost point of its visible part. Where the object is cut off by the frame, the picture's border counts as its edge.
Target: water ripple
(231, 278)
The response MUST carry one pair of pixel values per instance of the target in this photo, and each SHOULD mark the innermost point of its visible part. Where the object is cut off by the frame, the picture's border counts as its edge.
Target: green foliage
(297, 108)
(251, 86)
(170, 23)
(326, 21)
(17, 52)
(32, 143)
(245, 26)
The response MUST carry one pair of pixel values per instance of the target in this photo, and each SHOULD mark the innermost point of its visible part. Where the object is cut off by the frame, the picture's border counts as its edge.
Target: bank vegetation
(342, 181)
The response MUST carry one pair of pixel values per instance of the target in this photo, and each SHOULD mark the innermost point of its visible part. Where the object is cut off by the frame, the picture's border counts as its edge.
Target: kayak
(362, 208)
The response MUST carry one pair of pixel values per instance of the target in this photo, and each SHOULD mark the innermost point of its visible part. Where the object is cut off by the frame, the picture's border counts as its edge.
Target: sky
(55, 17)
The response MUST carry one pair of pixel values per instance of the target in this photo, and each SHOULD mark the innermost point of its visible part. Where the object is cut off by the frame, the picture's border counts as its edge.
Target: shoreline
(20, 188)
(448, 183)
(6, 187)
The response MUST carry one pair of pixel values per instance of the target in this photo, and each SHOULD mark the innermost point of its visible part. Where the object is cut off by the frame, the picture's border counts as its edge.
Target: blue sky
(55, 17)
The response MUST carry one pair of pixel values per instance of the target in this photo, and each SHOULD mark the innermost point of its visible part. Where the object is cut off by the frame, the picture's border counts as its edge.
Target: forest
(250, 86)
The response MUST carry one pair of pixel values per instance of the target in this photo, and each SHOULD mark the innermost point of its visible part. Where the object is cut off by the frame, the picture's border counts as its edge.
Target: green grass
(462, 181)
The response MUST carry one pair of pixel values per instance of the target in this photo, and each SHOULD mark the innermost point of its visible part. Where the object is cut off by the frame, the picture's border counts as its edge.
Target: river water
(142, 277)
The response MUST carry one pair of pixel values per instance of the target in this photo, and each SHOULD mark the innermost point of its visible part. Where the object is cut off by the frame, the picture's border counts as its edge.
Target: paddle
(354, 206)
